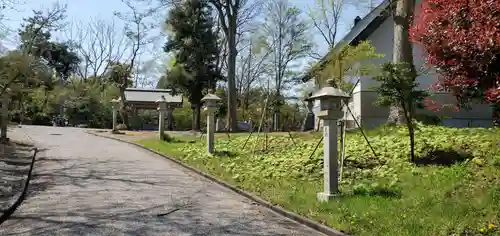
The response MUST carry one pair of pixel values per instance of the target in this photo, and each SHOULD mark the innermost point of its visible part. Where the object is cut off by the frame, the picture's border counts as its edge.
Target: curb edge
(13, 208)
(279, 210)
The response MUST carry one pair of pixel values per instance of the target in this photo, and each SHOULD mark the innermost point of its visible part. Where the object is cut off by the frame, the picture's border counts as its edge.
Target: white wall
(379, 39)
(370, 115)
(382, 39)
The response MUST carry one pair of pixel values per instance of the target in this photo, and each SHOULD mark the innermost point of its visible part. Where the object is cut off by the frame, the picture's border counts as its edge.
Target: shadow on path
(16, 159)
(15, 163)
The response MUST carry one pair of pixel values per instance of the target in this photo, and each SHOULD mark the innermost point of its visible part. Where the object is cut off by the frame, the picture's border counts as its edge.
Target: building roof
(361, 31)
(150, 96)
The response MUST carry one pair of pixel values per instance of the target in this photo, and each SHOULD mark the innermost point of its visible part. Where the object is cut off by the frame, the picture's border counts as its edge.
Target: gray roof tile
(151, 95)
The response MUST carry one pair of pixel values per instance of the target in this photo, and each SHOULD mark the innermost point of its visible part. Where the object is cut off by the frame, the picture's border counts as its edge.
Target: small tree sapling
(398, 87)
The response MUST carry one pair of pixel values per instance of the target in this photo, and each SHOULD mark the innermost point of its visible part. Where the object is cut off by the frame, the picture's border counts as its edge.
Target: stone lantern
(162, 108)
(309, 120)
(330, 104)
(210, 101)
(115, 104)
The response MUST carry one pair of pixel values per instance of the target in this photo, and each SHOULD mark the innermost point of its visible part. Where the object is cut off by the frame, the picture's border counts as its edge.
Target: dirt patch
(132, 136)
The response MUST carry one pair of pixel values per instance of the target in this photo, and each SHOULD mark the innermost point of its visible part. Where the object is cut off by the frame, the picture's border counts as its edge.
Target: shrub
(167, 137)
(428, 119)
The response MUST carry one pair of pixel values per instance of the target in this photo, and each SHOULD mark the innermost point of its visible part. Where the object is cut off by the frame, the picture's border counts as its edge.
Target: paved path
(86, 185)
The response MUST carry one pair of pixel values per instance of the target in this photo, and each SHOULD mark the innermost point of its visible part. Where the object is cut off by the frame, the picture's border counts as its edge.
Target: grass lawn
(455, 189)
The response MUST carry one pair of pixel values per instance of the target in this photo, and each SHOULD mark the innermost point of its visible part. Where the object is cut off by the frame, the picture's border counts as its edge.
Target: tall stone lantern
(210, 101)
(115, 105)
(162, 108)
(330, 100)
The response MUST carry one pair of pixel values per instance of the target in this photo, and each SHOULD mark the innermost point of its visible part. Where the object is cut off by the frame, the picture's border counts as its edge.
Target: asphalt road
(87, 185)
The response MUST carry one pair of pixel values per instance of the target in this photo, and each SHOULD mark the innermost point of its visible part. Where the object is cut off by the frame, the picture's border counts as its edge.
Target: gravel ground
(138, 135)
(86, 185)
(15, 160)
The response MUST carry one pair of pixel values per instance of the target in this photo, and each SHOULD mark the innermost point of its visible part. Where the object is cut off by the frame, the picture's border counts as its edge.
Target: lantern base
(325, 197)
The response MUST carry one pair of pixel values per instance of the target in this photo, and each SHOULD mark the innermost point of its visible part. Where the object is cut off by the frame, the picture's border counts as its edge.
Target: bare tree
(230, 14)
(8, 5)
(326, 17)
(98, 43)
(221, 63)
(138, 28)
(252, 64)
(150, 68)
(246, 24)
(285, 34)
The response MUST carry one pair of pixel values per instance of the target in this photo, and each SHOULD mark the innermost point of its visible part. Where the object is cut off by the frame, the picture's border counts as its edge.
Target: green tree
(35, 36)
(116, 73)
(88, 102)
(16, 68)
(20, 73)
(120, 75)
(348, 60)
(342, 62)
(23, 65)
(193, 43)
(62, 58)
(229, 15)
(398, 88)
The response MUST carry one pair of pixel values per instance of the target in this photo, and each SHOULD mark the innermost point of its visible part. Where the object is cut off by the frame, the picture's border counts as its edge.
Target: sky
(85, 10)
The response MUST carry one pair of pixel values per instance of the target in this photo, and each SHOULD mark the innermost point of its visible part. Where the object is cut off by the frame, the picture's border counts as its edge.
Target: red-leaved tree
(461, 39)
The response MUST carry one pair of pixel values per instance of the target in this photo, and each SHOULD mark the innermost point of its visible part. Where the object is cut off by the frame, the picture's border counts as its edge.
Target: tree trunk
(276, 124)
(231, 74)
(496, 114)
(196, 108)
(21, 105)
(408, 116)
(402, 48)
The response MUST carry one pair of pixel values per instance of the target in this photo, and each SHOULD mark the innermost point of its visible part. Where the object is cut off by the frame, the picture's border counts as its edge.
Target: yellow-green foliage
(345, 60)
(382, 195)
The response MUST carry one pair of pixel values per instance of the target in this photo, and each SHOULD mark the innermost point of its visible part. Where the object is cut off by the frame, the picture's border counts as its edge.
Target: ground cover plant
(452, 188)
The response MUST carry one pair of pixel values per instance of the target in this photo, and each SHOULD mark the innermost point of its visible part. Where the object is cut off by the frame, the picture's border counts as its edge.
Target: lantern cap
(211, 97)
(329, 92)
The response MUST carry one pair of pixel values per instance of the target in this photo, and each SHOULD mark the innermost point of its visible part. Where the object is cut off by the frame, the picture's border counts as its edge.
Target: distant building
(377, 27)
